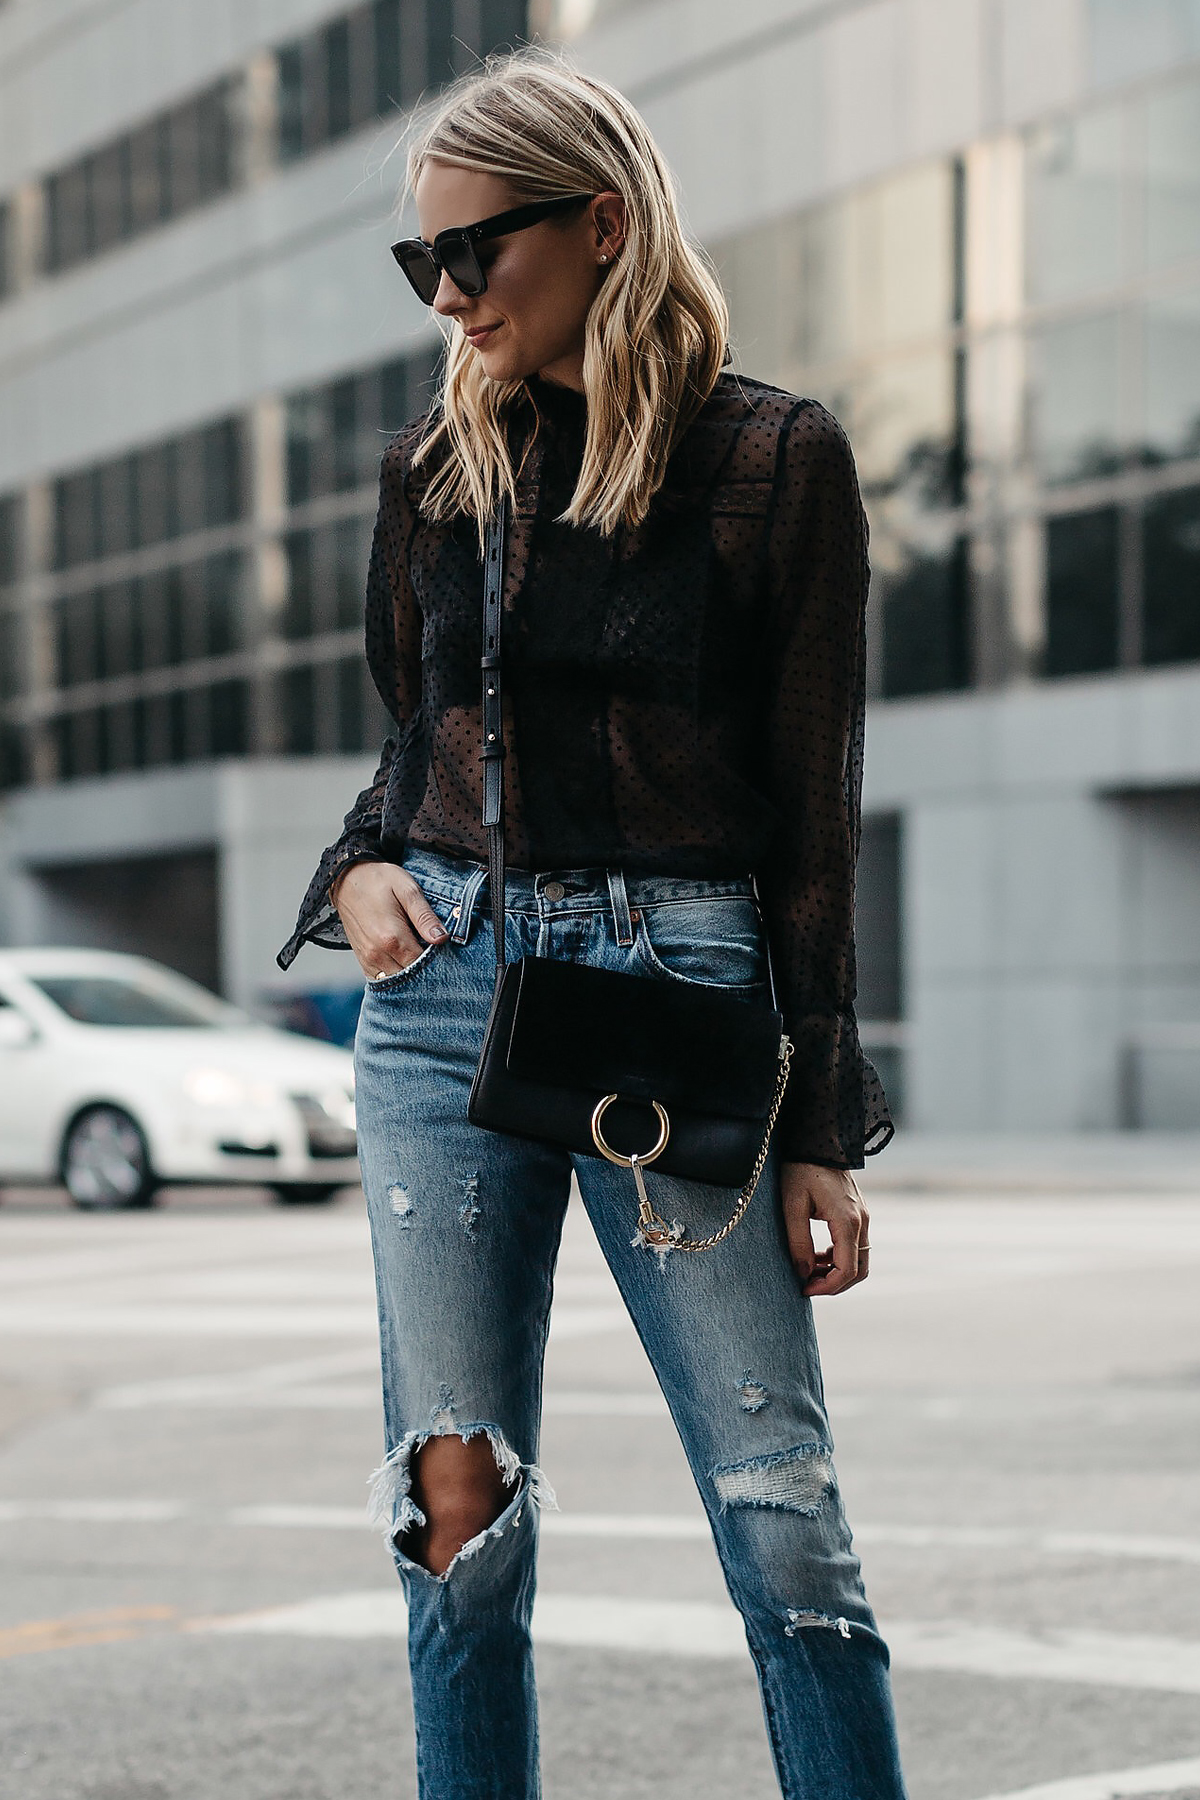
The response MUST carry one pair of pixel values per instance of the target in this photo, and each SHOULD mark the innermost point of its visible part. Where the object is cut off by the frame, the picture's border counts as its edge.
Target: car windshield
(116, 1000)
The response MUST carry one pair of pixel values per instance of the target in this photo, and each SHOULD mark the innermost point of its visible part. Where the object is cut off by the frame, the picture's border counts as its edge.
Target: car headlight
(217, 1087)
(339, 1104)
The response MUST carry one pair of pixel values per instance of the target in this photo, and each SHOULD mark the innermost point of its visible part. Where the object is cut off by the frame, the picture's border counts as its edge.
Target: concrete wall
(1051, 883)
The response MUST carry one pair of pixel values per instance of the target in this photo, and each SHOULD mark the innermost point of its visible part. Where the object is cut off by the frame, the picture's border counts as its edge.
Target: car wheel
(304, 1193)
(105, 1162)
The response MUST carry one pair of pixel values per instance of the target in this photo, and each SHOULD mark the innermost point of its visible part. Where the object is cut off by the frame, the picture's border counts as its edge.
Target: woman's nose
(449, 299)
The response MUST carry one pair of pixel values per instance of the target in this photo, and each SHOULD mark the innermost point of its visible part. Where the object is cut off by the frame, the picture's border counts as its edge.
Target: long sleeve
(834, 1111)
(393, 647)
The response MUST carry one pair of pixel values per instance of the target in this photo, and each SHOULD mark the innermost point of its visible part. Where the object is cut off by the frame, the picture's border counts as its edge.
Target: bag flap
(602, 1030)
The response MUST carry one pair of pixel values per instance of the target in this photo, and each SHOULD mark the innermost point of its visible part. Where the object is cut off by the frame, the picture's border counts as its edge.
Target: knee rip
(796, 1480)
(392, 1508)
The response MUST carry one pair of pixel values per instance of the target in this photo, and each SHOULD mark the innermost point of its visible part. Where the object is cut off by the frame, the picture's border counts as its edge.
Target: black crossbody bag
(610, 1064)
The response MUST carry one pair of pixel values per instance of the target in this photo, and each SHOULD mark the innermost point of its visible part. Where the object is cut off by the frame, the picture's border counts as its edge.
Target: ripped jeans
(465, 1227)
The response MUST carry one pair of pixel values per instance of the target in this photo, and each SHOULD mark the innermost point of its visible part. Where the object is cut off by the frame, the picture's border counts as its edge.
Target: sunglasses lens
(460, 265)
(421, 269)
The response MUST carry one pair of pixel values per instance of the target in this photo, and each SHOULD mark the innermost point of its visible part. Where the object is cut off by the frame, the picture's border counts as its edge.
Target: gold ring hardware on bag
(645, 1156)
(653, 1229)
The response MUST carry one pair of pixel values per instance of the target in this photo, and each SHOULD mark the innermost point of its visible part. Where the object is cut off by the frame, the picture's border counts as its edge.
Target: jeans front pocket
(717, 942)
(385, 984)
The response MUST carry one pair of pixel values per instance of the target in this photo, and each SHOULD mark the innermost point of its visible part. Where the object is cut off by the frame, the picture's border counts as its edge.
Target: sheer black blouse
(685, 698)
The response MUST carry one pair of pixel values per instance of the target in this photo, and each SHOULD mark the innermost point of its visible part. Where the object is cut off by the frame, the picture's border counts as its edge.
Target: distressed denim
(465, 1227)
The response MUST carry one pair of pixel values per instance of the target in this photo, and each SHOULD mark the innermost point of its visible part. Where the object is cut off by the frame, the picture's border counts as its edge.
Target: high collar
(560, 405)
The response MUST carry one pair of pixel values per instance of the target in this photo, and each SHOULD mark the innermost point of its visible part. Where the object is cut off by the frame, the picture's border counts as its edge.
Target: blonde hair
(655, 337)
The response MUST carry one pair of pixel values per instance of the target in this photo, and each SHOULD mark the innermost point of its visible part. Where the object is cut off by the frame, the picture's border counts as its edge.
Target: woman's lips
(477, 333)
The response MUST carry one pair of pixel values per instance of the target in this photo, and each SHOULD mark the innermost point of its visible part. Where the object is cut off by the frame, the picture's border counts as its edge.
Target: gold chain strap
(654, 1230)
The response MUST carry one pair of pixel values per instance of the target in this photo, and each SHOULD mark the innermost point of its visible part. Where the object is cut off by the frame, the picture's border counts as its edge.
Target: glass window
(291, 101)
(1172, 376)
(184, 158)
(299, 710)
(149, 1002)
(115, 631)
(77, 738)
(1073, 205)
(10, 526)
(298, 619)
(221, 454)
(1076, 397)
(156, 493)
(115, 481)
(229, 715)
(147, 195)
(120, 745)
(225, 602)
(351, 549)
(14, 766)
(925, 617)
(867, 271)
(68, 217)
(214, 122)
(502, 24)
(76, 518)
(306, 436)
(1172, 200)
(900, 421)
(336, 60)
(1171, 576)
(441, 63)
(387, 44)
(6, 248)
(343, 420)
(12, 653)
(1082, 592)
(349, 673)
(110, 195)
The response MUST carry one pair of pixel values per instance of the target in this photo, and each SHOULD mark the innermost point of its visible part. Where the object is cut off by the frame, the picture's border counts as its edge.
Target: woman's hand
(387, 918)
(811, 1191)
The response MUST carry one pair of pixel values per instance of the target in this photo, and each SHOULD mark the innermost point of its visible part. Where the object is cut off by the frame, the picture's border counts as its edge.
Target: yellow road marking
(82, 1628)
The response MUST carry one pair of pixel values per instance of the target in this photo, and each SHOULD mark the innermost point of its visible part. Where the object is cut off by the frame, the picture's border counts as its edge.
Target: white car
(118, 1076)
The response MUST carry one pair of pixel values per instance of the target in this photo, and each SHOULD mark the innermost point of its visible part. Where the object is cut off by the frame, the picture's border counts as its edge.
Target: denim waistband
(556, 891)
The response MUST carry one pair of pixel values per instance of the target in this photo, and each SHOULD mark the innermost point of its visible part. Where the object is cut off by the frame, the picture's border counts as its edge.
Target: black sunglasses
(454, 249)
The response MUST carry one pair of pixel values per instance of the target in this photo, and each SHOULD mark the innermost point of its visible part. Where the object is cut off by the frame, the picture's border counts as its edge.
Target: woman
(684, 590)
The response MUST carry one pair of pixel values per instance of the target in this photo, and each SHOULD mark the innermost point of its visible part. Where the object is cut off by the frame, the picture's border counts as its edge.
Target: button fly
(554, 890)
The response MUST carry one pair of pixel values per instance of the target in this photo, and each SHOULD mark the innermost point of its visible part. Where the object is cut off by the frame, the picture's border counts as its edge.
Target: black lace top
(684, 699)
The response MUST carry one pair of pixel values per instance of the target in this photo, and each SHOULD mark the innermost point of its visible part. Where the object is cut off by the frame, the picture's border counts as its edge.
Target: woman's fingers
(812, 1191)
(386, 917)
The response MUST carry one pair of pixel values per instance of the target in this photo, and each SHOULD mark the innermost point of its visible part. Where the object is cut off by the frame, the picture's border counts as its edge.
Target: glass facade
(336, 78)
(1011, 339)
(170, 626)
(169, 165)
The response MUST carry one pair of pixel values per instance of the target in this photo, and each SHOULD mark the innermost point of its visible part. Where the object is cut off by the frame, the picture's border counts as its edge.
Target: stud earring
(603, 259)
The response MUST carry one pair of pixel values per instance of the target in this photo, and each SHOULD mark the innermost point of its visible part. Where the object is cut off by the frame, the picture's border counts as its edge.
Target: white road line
(234, 1321)
(94, 1512)
(663, 1527)
(1115, 1784)
(1093, 1658)
(1128, 1547)
(693, 1628)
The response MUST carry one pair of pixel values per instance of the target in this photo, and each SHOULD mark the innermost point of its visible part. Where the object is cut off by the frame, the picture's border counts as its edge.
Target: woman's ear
(608, 218)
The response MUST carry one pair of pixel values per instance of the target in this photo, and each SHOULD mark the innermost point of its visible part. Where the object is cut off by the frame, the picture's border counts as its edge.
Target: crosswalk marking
(1115, 1784)
(669, 1527)
(699, 1629)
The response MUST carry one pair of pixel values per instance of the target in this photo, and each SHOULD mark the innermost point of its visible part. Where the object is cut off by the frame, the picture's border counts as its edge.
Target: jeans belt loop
(461, 930)
(620, 907)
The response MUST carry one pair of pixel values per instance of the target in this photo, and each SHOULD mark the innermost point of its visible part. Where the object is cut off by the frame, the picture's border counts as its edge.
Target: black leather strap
(492, 715)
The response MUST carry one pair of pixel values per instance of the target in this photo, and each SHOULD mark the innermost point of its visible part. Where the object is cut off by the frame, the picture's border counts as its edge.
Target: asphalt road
(194, 1609)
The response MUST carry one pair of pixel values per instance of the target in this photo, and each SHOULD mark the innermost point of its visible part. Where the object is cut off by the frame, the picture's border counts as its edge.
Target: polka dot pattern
(683, 698)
